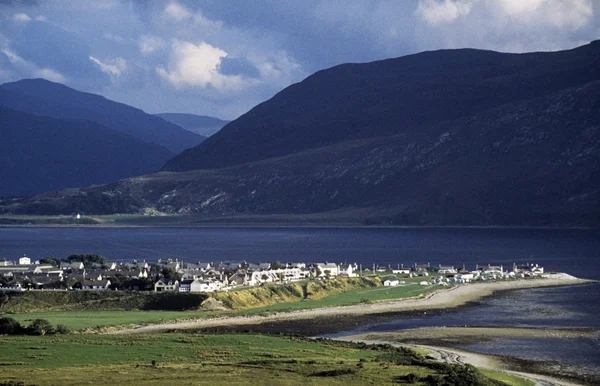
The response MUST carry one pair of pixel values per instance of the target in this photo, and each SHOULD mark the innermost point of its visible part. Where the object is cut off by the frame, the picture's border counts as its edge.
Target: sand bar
(442, 299)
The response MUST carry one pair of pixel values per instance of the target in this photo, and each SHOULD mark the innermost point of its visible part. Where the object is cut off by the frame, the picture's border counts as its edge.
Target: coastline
(452, 355)
(439, 300)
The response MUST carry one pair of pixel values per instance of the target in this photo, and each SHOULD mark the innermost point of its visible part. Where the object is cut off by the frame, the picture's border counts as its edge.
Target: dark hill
(407, 95)
(45, 98)
(40, 153)
(199, 124)
(459, 137)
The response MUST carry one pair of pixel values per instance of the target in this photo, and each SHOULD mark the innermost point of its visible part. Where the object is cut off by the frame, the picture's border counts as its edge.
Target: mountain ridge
(527, 161)
(42, 153)
(45, 98)
(199, 124)
(385, 97)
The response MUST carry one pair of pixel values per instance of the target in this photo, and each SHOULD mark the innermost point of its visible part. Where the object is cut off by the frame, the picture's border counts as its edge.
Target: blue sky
(221, 58)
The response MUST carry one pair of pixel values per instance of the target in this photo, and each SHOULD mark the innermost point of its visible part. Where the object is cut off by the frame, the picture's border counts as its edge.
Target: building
(24, 260)
(166, 285)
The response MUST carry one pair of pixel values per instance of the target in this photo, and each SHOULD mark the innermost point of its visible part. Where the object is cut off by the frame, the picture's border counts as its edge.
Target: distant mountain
(45, 98)
(410, 95)
(199, 124)
(456, 137)
(40, 154)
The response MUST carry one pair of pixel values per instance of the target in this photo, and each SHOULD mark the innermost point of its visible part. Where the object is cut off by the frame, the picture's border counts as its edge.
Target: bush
(62, 329)
(40, 327)
(9, 326)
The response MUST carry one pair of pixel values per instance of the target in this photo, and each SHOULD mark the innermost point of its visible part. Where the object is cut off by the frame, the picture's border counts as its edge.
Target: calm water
(573, 251)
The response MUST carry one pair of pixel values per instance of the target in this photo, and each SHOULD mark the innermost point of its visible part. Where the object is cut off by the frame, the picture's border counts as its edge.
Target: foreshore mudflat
(442, 299)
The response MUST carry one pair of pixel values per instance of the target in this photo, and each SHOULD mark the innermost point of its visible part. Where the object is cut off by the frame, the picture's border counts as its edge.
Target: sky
(222, 57)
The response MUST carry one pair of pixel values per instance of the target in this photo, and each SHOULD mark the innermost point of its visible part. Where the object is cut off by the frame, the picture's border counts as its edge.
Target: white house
(24, 260)
(391, 283)
(76, 265)
(327, 269)
(348, 270)
(166, 285)
(89, 285)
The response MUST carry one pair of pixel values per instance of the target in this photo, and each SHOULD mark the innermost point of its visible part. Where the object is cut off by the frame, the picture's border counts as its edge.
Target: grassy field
(79, 320)
(362, 295)
(207, 359)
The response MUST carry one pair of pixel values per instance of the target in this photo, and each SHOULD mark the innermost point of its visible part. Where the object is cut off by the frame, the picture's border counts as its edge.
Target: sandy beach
(442, 299)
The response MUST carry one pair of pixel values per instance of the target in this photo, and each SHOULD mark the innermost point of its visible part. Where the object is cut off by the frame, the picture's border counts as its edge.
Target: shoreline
(457, 356)
(438, 300)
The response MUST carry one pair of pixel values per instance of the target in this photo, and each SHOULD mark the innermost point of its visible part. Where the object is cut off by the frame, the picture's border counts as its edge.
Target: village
(175, 275)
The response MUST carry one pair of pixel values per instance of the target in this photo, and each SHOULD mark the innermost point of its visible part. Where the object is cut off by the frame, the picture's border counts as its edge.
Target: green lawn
(79, 320)
(362, 295)
(198, 359)
(506, 378)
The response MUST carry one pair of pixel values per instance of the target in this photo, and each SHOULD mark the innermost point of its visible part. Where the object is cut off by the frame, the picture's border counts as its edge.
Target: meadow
(217, 359)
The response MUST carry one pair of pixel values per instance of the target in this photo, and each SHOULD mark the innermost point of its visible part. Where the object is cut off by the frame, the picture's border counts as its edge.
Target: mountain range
(199, 124)
(55, 137)
(450, 137)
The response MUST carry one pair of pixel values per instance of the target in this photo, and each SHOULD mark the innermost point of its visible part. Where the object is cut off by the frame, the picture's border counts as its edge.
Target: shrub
(62, 329)
(40, 327)
(9, 326)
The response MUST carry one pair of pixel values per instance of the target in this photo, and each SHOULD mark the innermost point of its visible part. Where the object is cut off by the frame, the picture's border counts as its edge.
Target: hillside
(410, 95)
(41, 153)
(527, 153)
(199, 124)
(45, 98)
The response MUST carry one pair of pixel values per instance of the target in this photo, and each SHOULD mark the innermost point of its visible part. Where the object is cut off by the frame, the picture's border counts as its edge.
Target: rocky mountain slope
(410, 95)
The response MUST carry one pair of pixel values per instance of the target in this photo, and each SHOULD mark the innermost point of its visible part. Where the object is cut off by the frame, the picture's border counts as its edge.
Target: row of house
(209, 277)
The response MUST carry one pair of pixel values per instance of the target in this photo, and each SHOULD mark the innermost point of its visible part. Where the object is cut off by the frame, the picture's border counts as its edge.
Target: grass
(84, 319)
(194, 359)
(506, 378)
(362, 295)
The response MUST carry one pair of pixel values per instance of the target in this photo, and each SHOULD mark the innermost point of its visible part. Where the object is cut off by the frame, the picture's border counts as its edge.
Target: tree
(327, 273)
(50, 260)
(318, 271)
(264, 277)
(68, 282)
(276, 264)
(170, 274)
(86, 259)
(40, 327)
(9, 326)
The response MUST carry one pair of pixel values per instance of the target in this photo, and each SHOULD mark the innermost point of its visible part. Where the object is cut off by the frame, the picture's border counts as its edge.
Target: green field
(79, 320)
(207, 359)
(362, 295)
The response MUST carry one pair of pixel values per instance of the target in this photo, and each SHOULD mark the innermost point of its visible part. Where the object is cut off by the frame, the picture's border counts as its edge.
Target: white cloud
(276, 67)
(516, 7)
(41, 18)
(21, 17)
(148, 44)
(177, 12)
(445, 11)
(114, 69)
(198, 65)
(572, 14)
(30, 69)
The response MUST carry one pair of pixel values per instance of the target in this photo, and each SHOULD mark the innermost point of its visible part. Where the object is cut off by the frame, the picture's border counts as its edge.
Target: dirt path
(445, 298)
